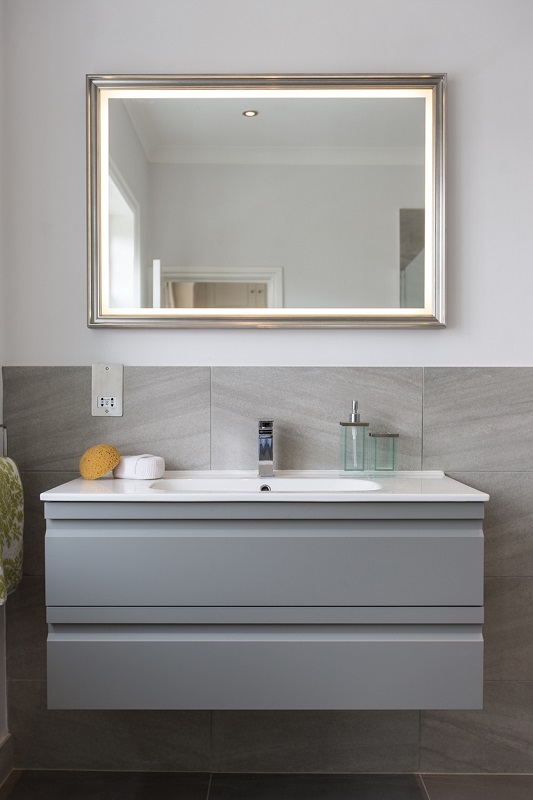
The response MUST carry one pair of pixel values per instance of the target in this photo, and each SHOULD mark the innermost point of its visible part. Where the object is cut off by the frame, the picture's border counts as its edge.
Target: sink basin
(237, 485)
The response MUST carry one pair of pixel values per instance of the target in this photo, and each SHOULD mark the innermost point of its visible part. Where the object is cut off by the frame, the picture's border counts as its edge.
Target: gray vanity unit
(199, 591)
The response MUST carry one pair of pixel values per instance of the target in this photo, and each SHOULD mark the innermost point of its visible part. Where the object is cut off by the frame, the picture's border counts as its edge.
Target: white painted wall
(487, 51)
(282, 216)
(2, 259)
(3, 679)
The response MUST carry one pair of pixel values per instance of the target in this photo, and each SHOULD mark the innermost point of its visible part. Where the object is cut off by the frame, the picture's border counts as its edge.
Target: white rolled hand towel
(144, 467)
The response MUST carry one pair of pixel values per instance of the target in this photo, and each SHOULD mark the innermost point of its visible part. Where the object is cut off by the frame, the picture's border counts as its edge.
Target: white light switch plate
(107, 390)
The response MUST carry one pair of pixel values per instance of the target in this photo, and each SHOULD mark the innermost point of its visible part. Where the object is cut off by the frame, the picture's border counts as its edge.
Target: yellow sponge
(98, 460)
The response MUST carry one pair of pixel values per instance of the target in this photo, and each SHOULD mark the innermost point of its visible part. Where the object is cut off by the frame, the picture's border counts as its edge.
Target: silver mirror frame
(431, 316)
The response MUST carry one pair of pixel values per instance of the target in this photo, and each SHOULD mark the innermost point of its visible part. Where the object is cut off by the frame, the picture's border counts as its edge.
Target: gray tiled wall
(475, 423)
(478, 427)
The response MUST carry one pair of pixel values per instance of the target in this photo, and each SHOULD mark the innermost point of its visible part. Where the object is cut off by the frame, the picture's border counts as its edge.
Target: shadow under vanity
(184, 594)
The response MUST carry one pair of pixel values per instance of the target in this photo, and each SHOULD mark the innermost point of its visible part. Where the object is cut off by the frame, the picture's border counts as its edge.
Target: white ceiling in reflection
(373, 131)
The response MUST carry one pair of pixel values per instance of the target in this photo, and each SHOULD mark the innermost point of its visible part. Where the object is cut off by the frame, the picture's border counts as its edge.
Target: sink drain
(265, 488)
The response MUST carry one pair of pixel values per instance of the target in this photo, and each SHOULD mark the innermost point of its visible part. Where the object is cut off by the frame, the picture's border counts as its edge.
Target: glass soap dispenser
(354, 441)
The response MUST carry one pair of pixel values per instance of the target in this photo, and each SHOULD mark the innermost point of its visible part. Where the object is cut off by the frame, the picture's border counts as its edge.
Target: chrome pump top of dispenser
(355, 417)
(354, 445)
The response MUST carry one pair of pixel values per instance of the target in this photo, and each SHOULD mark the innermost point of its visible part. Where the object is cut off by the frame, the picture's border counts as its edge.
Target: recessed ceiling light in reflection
(250, 113)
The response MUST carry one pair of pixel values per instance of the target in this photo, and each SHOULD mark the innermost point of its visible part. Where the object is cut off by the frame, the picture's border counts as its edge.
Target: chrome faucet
(266, 448)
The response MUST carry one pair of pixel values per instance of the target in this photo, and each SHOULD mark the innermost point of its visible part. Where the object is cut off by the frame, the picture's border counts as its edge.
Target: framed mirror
(301, 201)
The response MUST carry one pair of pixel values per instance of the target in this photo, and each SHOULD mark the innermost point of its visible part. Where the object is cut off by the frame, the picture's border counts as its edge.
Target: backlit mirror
(266, 201)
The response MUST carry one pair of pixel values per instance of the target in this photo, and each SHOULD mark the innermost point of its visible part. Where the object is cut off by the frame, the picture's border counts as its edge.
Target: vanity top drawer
(416, 562)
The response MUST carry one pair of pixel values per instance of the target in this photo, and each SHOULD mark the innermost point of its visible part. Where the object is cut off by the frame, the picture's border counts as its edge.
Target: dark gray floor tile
(508, 524)
(26, 631)
(48, 414)
(315, 741)
(497, 739)
(307, 404)
(478, 418)
(116, 740)
(316, 787)
(8, 784)
(479, 787)
(51, 785)
(34, 522)
(508, 629)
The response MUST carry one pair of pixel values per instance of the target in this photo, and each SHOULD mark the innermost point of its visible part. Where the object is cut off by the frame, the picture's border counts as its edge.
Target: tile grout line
(424, 785)
(419, 737)
(210, 746)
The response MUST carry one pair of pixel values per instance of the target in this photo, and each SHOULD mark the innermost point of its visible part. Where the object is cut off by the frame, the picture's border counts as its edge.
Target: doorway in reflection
(211, 294)
(412, 254)
(124, 268)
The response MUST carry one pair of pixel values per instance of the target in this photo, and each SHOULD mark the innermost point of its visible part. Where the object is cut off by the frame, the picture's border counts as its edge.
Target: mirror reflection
(260, 199)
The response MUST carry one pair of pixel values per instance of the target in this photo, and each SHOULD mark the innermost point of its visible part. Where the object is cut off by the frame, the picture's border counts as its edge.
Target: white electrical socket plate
(107, 390)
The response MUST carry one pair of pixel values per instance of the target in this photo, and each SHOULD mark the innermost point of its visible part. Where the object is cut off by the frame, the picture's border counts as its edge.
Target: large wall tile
(125, 740)
(307, 405)
(167, 413)
(315, 741)
(497, 739)
(26, 631)
(34, 522)
(48, 414)
(508, 525)
(478, 418)
(508, 629)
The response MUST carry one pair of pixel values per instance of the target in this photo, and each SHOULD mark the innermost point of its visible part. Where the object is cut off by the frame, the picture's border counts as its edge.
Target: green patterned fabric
(11, 527)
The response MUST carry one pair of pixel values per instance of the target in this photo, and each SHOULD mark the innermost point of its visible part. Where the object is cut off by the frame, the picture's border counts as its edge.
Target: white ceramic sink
(305, 486)
(237, 485)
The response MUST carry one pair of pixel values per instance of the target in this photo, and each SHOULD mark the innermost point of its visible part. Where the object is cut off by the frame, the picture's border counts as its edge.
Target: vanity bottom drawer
(265, 666)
